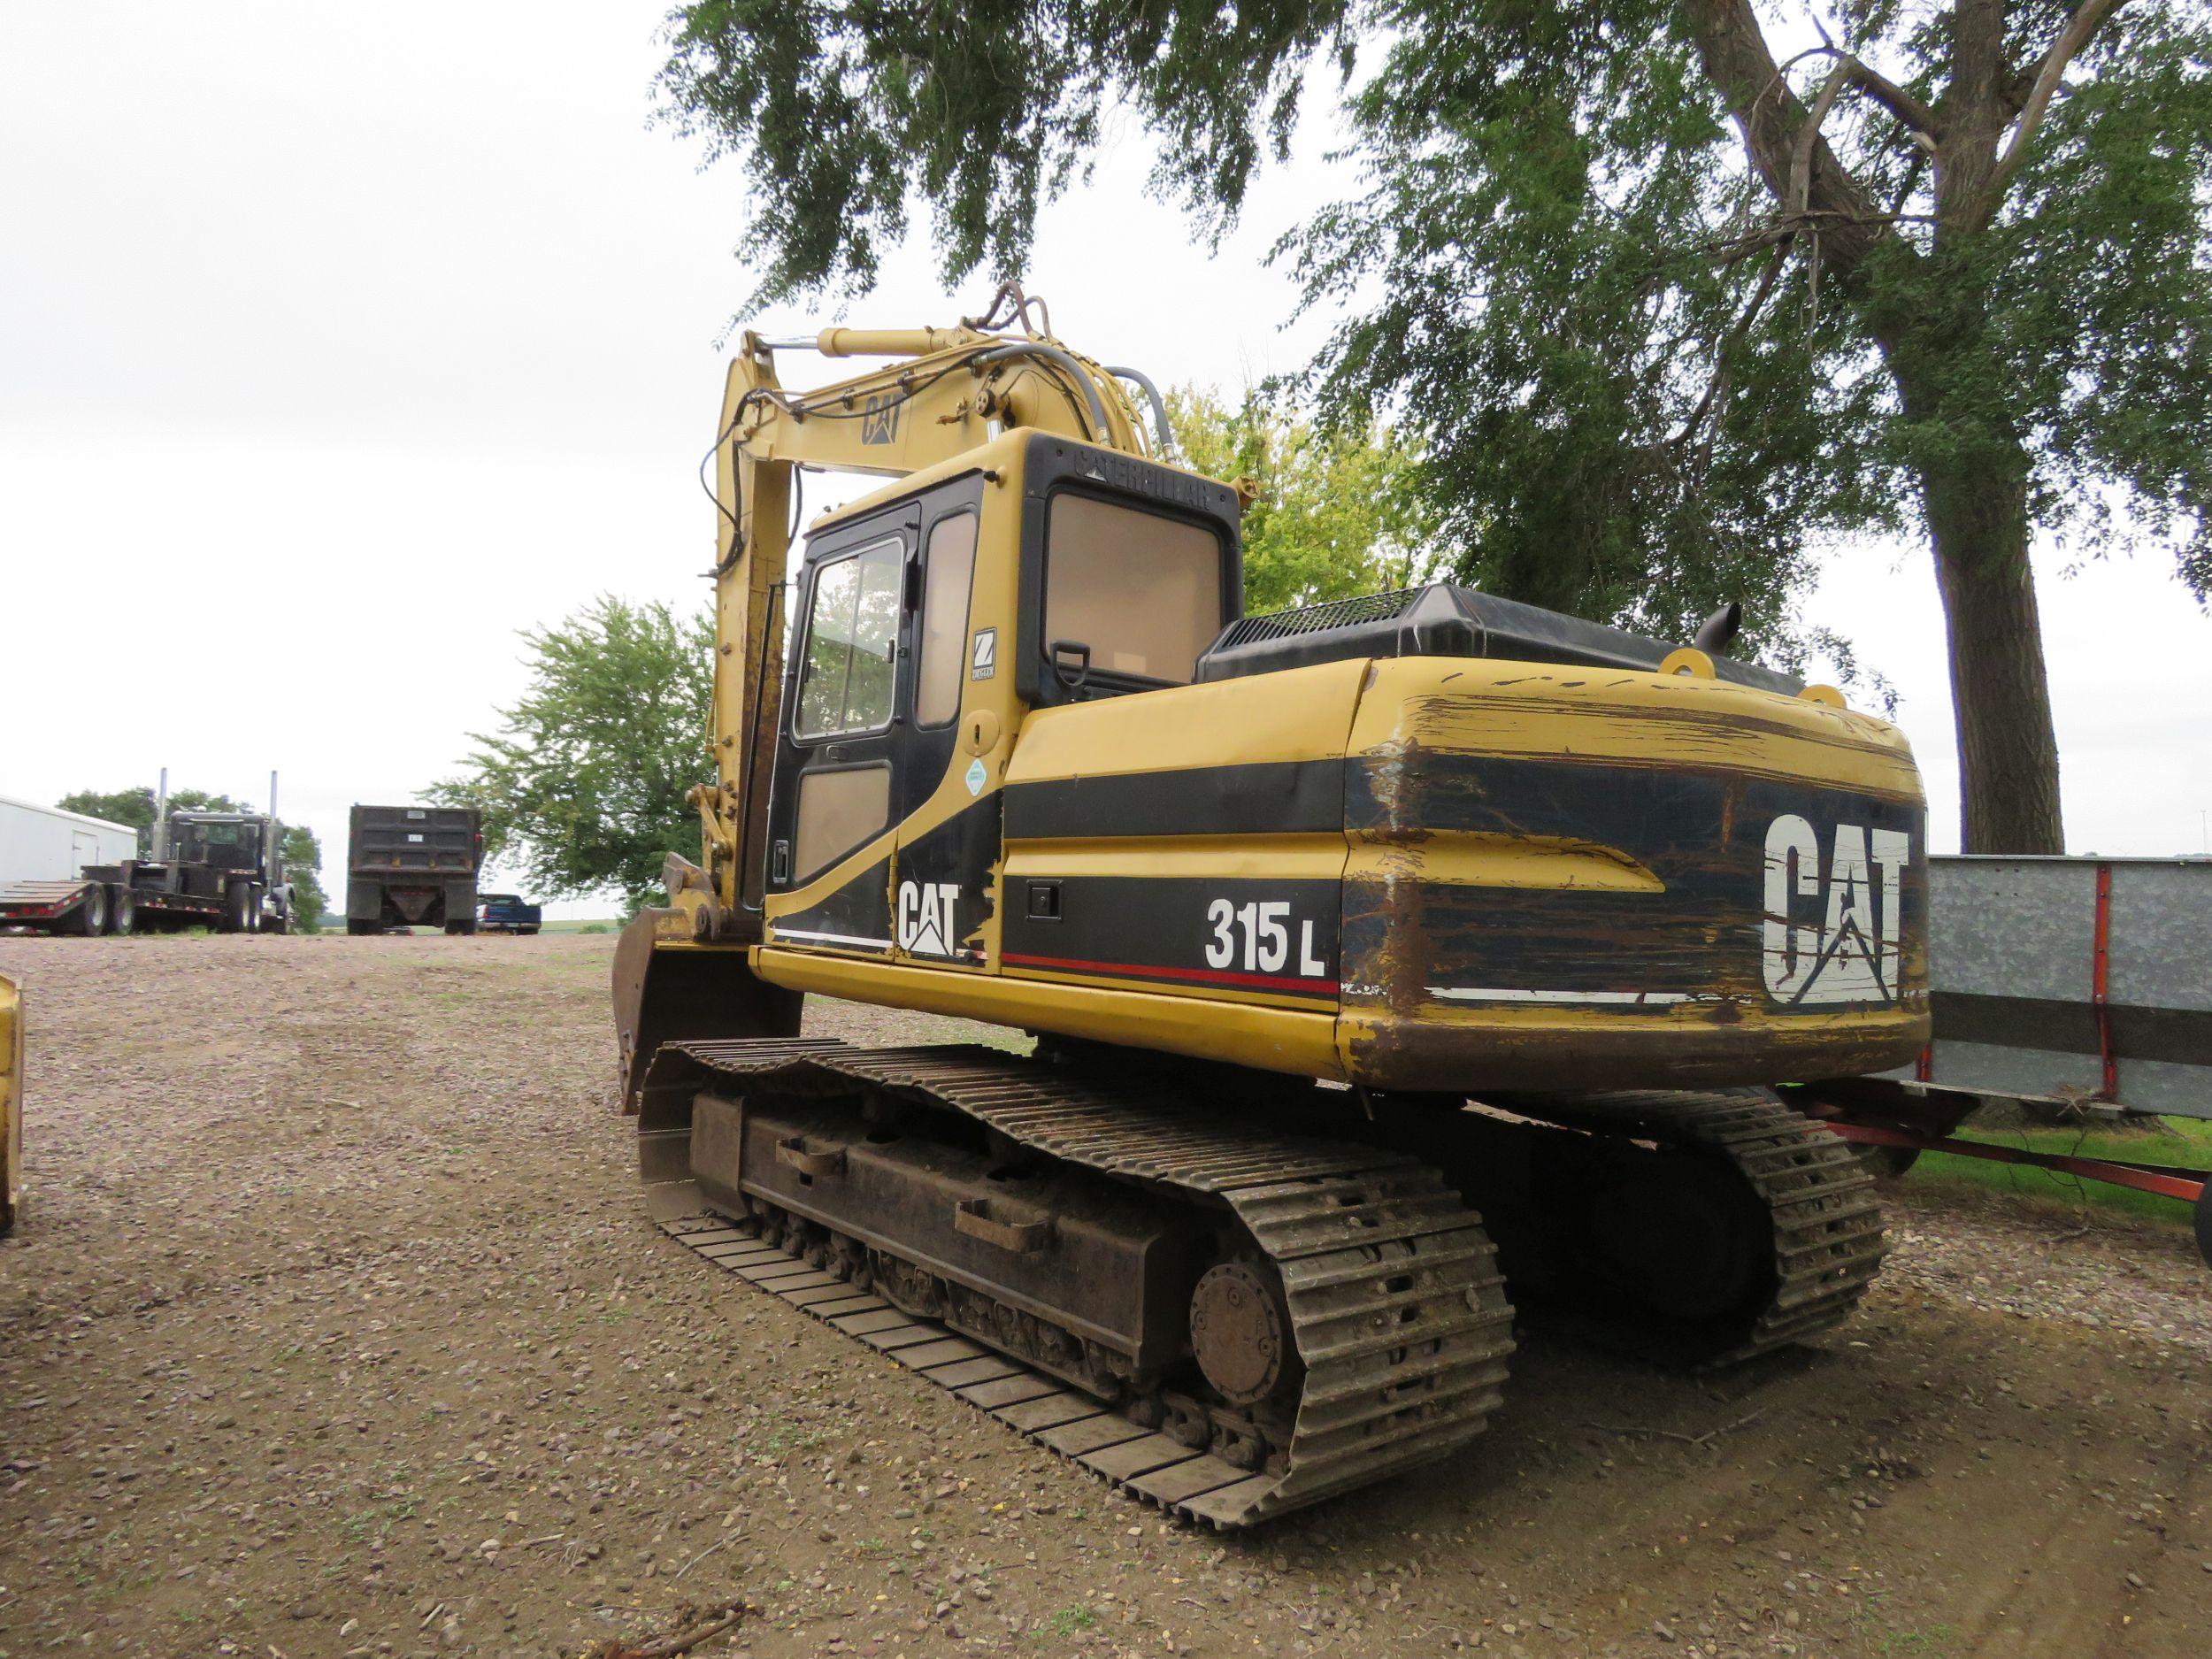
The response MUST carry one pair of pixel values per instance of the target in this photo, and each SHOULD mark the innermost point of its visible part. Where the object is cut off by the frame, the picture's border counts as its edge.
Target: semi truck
(219, 870)
(413, 866)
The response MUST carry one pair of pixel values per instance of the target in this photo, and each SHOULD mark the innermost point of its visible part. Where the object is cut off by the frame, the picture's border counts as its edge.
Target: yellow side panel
(10, 1103)
(1271, 1039)
(1590, 714)
(1301, 714)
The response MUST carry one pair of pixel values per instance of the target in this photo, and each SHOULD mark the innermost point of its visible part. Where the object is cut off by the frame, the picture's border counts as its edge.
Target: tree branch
(1738, 62)
(1799, 198)
(1916, 115)
(2080, 29)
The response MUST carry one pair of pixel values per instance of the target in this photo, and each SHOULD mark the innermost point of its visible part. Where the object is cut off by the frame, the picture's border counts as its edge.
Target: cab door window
(847, 663)
(948, 575)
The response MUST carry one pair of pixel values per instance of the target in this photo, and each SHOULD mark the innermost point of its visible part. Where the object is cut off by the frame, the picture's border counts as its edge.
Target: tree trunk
(1999, 693)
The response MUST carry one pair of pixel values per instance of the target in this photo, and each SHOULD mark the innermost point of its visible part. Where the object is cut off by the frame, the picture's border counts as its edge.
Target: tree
(137, 807)
(302, 853)
(298, 850)
(1337, 513)
(1666, 308)
(582, 786)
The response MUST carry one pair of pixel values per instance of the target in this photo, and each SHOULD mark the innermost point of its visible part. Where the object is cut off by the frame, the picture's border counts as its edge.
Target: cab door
(834, 800)
(949, 820)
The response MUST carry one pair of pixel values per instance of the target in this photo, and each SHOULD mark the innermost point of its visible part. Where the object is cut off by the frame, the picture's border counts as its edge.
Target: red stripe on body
(1203, 976)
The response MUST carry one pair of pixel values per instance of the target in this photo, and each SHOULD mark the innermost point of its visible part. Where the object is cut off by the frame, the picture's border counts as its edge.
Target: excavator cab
(929, 623)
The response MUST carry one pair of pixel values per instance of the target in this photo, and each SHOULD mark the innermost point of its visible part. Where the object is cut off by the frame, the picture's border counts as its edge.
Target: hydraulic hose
(1062, 361)
(1159, 407)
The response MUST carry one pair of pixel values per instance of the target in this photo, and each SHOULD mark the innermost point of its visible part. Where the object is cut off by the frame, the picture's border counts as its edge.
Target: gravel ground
(334, 1329)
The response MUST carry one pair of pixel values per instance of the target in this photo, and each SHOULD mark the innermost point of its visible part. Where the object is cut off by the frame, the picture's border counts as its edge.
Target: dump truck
(413, 866)
(1392, 964)
(223, 871)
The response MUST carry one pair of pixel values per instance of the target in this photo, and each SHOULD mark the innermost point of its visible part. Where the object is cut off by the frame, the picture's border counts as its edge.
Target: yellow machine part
(10, 1103)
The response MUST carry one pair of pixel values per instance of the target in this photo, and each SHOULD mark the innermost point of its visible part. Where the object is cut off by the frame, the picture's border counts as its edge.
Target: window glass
(837, 812)
(945, 618)
(852, 631)
(1143, 592)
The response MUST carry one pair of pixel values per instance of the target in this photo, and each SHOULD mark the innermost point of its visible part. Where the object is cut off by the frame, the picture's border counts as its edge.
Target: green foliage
(135, 807)
(302, 853)
(1646, 371)
(1338, 513)
(582, 786)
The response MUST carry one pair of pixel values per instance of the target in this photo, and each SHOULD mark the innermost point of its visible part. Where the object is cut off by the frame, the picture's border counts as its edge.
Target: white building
(45, 843)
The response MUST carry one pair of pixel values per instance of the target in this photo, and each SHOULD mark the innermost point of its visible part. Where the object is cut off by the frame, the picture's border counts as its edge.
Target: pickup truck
(505, 913)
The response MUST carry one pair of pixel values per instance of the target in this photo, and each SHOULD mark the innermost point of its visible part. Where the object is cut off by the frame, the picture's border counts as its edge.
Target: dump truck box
(413, 866)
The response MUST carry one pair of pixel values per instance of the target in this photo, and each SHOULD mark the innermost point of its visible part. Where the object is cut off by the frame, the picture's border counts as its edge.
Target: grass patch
(2185, 1142)
(1932, 1643)
(1070, 1619)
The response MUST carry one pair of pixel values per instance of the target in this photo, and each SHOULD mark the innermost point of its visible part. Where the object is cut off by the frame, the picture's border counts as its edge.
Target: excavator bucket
(667, 988)
(11, 1104)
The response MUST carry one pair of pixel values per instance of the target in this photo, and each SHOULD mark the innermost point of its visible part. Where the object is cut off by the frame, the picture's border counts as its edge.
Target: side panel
(1565, 880)
(1189, 841)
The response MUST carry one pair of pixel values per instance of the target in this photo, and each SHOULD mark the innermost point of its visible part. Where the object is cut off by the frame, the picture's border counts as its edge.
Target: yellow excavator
(11, 1104)
(1389, 962)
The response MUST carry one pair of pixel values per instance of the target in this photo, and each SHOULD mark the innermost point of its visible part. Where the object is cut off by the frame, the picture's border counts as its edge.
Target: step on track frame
(1397, 1306)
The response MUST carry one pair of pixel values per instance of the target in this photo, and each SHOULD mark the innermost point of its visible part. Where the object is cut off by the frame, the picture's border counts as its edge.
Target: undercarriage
(1238, 1295)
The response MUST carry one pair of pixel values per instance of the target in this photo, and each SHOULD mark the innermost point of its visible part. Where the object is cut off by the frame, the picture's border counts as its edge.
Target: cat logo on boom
(879, 417)
(1843, 946)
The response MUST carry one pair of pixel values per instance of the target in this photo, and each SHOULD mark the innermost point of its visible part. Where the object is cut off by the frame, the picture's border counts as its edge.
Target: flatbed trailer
(80, 906)
(2062, 988)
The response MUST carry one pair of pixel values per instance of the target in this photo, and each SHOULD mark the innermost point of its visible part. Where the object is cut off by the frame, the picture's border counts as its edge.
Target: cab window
(845, 676)
(1142, 591)
(947, 577)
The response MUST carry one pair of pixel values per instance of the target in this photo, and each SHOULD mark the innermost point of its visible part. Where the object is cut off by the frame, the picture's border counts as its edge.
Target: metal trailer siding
(45, 843)
(2077, 978)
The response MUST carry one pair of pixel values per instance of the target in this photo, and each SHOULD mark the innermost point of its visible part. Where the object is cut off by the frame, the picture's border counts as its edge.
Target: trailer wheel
(123, 912)
(358, 930)
(453, 928)
(90, 920)
(238, 909)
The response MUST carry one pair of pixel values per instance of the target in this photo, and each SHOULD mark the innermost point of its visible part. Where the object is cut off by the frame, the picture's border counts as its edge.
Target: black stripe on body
(1270, 798)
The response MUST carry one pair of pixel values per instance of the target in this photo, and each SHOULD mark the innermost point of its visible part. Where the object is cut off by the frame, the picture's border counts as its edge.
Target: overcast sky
(337, 344)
